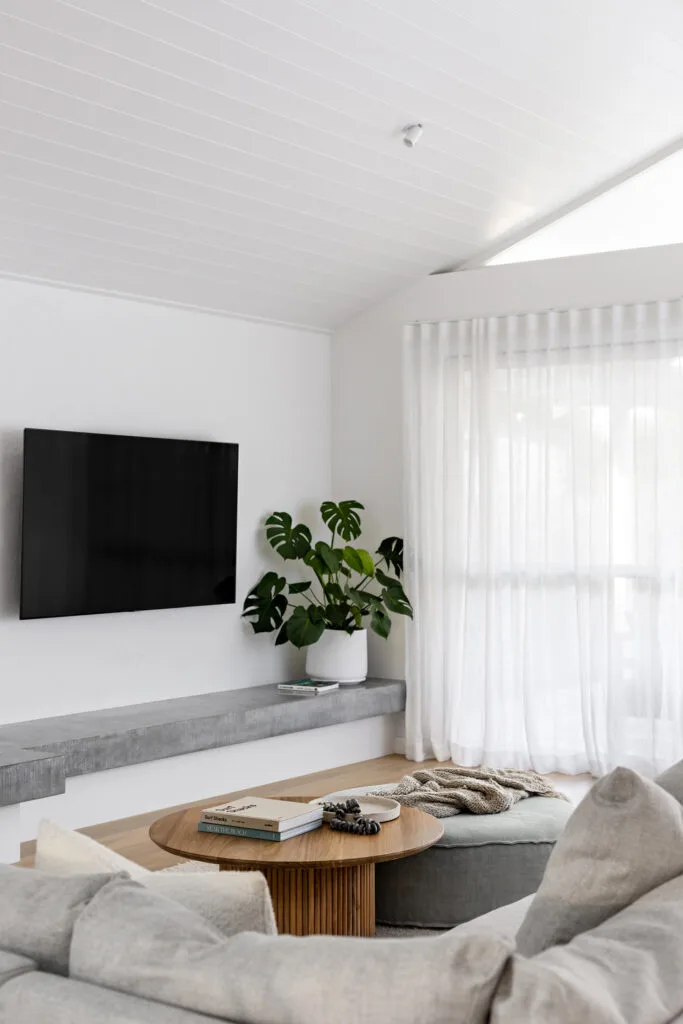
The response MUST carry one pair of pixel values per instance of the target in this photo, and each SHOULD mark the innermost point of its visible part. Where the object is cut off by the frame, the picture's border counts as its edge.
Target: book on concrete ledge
(263, 813)
(257, 833)
(312, 687)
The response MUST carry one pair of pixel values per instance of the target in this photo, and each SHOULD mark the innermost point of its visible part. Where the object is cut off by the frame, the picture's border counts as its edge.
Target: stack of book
(312, 687)
(256, 817)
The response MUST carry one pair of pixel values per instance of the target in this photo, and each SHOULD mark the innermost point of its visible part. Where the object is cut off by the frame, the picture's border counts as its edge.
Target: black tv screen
(114, 523)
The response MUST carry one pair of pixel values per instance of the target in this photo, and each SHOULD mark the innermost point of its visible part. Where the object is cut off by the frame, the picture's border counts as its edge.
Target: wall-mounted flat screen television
(114, 523)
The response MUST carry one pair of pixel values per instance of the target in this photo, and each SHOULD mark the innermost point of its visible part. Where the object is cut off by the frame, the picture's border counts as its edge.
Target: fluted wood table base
(321, 901)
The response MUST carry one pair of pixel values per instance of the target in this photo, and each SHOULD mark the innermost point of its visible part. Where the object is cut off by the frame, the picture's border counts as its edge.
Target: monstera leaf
(289, 541)
(299, 588)
(396, 600)
(266, 605)
(394, 595)
(330, 558)
(305, 626)
(342, 518)
(359, 560)
(391, 550)
(380, 622)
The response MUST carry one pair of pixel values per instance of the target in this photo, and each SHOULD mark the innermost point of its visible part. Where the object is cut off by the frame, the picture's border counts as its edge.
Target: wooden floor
(129, 836)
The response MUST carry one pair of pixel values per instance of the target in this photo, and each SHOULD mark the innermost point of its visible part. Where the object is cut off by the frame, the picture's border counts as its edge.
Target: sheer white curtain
(544, 538)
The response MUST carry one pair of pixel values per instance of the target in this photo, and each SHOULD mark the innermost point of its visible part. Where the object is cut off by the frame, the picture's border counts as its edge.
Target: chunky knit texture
(443, 792)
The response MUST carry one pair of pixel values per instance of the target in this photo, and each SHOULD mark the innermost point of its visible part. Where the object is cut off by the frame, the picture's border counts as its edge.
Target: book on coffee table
(263, 814)
(257, 833)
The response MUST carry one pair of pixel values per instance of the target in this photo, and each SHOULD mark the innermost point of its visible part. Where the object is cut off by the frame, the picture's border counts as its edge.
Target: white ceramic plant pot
(339, 657)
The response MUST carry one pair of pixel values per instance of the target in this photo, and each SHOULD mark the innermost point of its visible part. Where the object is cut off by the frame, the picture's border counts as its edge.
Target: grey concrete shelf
(93, 741)
(28, 774)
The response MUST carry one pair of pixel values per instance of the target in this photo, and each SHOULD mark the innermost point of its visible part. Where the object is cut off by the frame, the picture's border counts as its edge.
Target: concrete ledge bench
(40, 754)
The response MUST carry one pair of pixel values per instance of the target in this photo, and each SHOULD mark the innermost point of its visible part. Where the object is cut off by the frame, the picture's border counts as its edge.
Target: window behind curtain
(561, 456)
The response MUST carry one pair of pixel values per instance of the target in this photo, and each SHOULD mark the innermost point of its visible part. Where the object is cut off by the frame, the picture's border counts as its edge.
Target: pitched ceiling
(244, 156)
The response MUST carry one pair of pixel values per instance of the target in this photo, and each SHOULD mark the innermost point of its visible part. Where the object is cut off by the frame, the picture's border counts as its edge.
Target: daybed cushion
(233, 901)
(47, 999)
(624, 839)
(258, 979)
(38, 912)
(483, 861)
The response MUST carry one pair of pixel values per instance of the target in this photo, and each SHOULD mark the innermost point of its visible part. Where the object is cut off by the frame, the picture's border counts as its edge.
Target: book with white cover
(262, 813)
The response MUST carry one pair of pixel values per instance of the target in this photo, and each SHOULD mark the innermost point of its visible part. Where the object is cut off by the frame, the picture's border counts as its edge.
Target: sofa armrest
(232, 901)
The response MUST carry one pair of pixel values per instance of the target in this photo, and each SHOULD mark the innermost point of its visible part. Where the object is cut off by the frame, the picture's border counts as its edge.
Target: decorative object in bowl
(377, 808)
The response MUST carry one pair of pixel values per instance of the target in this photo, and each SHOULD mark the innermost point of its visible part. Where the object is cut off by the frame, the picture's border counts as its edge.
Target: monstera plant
(349, 589)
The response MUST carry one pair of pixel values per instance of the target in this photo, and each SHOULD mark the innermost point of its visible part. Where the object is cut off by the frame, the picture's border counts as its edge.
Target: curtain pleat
(544, 539)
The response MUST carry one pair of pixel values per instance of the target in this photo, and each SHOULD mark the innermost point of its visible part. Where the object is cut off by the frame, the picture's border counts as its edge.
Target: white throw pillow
(233, 901)
(61, 851)
(623, 840)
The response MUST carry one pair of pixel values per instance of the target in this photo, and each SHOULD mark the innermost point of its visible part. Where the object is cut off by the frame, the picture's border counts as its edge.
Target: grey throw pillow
(38, 913)
(630, 968)
(624, 839)
(135, 941)
(672, 781)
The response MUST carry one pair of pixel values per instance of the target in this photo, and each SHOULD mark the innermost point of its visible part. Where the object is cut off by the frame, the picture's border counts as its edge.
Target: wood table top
(412, 832)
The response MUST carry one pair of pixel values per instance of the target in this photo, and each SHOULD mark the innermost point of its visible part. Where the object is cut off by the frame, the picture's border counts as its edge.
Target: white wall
(78, 361)
(366, 365)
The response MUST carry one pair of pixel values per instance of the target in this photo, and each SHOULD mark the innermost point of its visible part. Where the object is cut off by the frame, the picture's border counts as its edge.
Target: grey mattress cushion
(39, 911)
(628, 969)
(133, 940)
(48, 999)
(483, 861)
(538, 819)
(11, 965)
(624, 839)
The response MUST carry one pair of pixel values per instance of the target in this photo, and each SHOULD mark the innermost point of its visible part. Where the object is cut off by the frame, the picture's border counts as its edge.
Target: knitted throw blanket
(443, 792)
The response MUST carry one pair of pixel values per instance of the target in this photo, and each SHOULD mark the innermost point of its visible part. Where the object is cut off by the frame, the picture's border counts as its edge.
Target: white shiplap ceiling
(244, 156)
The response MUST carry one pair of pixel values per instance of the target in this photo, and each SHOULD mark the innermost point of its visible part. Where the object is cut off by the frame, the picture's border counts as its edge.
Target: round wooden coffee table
(322, 882)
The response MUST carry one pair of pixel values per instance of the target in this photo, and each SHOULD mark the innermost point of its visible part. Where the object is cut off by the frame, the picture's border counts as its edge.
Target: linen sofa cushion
(505, 921)
(49, 999)
(624, 839)
(258, 979)
(11, 965)
(39, 911)
(233, 901)
(628, 970)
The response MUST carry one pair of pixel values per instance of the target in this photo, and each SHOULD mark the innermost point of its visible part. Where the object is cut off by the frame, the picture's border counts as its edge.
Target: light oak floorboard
(130, 836)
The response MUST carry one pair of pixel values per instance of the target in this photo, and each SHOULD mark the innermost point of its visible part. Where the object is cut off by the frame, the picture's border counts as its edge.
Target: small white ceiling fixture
(411, 135)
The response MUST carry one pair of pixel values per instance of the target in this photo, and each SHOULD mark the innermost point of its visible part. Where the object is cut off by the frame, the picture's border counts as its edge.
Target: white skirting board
(138, 789)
